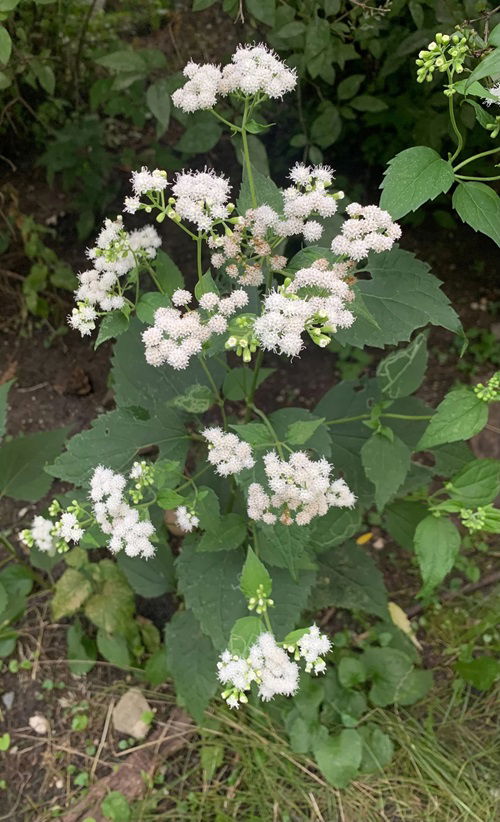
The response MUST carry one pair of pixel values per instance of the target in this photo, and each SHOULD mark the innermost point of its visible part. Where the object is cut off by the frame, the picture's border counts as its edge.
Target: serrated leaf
(401, 519)
(244, 633)
(267, 192)
(348, 578)
(168, 274)
(156, 668)
(168, 499)
(478, 483)
(386, 465)
(192, 662)
(459, 416)
(196, 400)
(114, 648)
(211, 589)
(111, 327)
(437, 543)
(488, 67)
(402, 372)
(479, 205)
(254, 576)
(150, 578)
(238, 381)
(112, 606)
(413, 177)
(286, 547)
(337, 526)
(302, 420)
(231, 532)
(70, 592)
(339, 757)
(255, 433)
(290, 599)
(206, 285)
(402, 295)
(299, 432)
(450, 458)
(148, 305)
(22, 463)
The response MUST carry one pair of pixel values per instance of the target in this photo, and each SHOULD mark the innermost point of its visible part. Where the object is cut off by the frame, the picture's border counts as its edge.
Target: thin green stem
(253, 386)
(348, 419)
(232, 126)
(199, 266)
(385, 414)
(481, 179)
(270, 428)
(153, 276)
(191, 480)
(460, 140)
(407, 416)
(246, 157)
(220, 400)
(267, 622)
(476, 157)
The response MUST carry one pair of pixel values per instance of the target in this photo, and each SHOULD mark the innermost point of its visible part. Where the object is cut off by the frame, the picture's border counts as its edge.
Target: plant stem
(270, 428)
(460, 141)
(385, 414)
(253, 386)
(407, 416)
(476, 157)
(463, 177)
(199, 266)
(220, 401)
(223, 120)
(246, 156)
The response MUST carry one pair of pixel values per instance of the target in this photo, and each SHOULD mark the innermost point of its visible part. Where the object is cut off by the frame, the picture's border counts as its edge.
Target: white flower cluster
(269, 666)
(227, 452)
(144, 181)
(186, 519)
(48, 536)
(369, 228)
(201, 197)
(118, 519)
(176, 337)
(313, 302)
(301, 489)
(115, 254)
(252, 70)
(309, 196)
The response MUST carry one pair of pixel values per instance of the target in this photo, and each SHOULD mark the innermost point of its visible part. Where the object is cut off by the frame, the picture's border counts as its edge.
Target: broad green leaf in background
(254, 576)
(5, 45)
(351, 672)
(299, 432)
(386, 463)
(22, 463)
(494, 36)
(158, 102)
(478, 483)
(71, 591)
(337, 526)
(192, 662)
(482, 672)
(402, 372)
(255, 433)
(111, 607)
(437, 543)
(167, 273)
(148, 304)
(123, 60)
(401, 296)
(196, 400)
(4, 392)
(263, 10)
(378, 749)
(489, 67)
(394, 677)
(211, 589)
(113, 647)
(266, 191)
(82, 650)
(450, 458)
(114, 441)
(286, 547)
(112, 326)
(339, 757)
(116, 808)
(479, 205)
(401, 519)
(153, 577)
(206, 285)
(231, 531)
(367, 102)
(459, 416)
(238, 382)
(201, 135)
(301, 424)
(412, 177)
(349, 578)
(290, 599)
(244, 634)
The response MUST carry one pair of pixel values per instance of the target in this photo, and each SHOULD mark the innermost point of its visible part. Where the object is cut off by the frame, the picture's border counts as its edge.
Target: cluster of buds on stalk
(260, 601)
(489, 392)
(242, 339)
(445, 53)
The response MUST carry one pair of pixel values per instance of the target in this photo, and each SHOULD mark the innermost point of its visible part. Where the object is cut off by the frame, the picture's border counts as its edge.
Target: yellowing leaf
(402, 622)
(364, 538)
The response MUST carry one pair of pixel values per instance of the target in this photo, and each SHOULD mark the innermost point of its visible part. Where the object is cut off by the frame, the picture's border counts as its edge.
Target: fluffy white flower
(145, 180)
(41, 532)
(186, 519)
(299, 490)
(308, 195)
(117, 519)
(200, 90)
(68, 527)
(369, 228)
(227, 452)
(255, 69)
(312, 646)
(201, 197)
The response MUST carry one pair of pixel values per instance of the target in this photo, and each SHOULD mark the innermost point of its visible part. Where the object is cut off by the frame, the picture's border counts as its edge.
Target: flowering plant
(261, 504)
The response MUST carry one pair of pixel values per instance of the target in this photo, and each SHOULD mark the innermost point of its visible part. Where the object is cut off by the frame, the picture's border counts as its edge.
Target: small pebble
(39, 724)
(8, 699)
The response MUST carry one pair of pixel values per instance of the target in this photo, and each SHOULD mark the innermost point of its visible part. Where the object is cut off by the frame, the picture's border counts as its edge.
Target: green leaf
(255, 433)
(70, 592)
(459, 416)
(5, 45)
(168, 499)
(200, 5)
(192, 662)
(300, 419)
(348, 87)
(348, 578)
(202, 134)
(394, 678)
(111, 327)
(412, 177)
(488, 67)
(82, 650)
(238, 381)
(326, 128)
(114, 648)
(378, 749)
(267, 193)
(148, 305)
(196, 400)
(286, 547)
(231, 532)
(293, 29)
(366, 102)
(290, 599)
(450, 458)
(386, 464)
(401, 519)
(156, 668)
(4, 391)
(158, 102)
(208, 509)
(401, 296)
(116, 807)
(299, 432)
(262, 10)
(478, 483)
(125, 60)
(244, 634)
(482, 672)
(22, 463)
(112, 606)
(4, 597)
(211, 589)
(402, 372)
(168, 274)
(494, 36)
(339, 757)
(351, 672)
(115, 439)
(437, 543)
(337, 526)
(206, 285)
(479, 205)
(153, 577)
(254, 576)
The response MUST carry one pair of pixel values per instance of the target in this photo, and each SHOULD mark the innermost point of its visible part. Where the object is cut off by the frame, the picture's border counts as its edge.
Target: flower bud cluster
(269, 666)
(143, 474)
(489, 392)
(116, 518)
(300, 489)
(175, 337)
(253, 70)
(445, 53)
(260, 602)
(145, 182)
(54, 537)
(242, 339)
(227, 452)
(313, 302)
(369, 228)
(473, 520)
